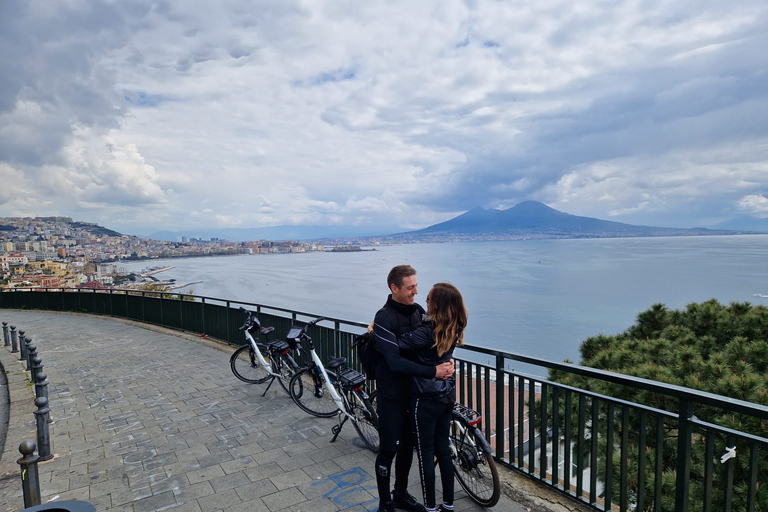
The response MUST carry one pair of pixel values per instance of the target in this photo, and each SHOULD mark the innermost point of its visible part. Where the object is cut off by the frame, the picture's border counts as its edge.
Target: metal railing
(608, 453)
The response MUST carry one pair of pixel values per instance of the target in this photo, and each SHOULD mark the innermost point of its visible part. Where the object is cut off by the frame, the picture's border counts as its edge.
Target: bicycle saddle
(335, 362)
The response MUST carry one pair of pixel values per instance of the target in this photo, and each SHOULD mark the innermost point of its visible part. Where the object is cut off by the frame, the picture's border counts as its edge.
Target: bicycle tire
(285, 370)
(474, 469)
(309, 391)
(366, 421)
(246, 366)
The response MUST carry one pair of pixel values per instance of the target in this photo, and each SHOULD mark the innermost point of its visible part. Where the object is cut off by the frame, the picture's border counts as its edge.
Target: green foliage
(707, 346)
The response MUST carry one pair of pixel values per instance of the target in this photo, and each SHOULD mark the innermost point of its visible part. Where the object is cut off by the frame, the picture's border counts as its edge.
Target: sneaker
(441, 508)
(407, 502)
(387, 507)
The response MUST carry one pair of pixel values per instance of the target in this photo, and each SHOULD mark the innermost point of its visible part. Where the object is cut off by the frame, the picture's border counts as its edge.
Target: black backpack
(369, 357)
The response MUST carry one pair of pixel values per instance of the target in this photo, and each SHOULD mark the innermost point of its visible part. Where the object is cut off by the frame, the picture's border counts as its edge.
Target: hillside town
(57, 252)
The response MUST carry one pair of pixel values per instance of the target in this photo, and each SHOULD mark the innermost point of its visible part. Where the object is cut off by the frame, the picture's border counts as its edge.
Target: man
(399, 315)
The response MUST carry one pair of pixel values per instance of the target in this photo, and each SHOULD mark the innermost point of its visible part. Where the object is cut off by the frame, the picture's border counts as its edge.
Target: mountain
(531, 219)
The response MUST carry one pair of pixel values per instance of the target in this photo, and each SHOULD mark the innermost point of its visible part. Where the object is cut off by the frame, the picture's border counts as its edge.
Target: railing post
(6, 335)
(500, 406)
(684, 431)
(14, 340)
(30, 480)
(229, 335)
(22, 347)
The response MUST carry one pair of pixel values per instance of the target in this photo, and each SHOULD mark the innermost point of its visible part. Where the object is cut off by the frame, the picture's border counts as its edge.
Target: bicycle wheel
(283, 367)
(366, 420)
(310, 393)
(246, 366)
(474, 469)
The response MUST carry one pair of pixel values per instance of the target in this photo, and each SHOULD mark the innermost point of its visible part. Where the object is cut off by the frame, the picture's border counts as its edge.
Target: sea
(538, 298)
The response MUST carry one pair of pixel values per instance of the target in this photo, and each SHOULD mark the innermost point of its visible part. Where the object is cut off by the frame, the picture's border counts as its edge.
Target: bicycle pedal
(336, 429)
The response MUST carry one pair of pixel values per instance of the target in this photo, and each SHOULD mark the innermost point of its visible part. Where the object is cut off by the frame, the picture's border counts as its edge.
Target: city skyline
(175, 116)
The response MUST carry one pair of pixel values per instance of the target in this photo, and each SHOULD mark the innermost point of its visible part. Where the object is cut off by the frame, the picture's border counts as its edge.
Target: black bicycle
(472, 455)
(257, 363)
(331, 390)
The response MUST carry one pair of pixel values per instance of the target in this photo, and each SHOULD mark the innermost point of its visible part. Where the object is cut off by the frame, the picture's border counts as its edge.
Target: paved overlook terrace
(152, 419)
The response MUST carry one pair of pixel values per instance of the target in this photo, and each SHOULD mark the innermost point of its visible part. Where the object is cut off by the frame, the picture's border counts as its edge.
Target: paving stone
(283, 499)
(229, 481)
(290, 479)
(223, 501)
(155, 502)
(207, 473)
(192, 492)
(256, 490)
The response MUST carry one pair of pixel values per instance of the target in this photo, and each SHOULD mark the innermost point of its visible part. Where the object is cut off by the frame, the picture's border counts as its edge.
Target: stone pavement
(151, 419)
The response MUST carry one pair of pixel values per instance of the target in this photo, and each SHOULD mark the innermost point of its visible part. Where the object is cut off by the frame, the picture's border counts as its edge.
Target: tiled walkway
(148, 419)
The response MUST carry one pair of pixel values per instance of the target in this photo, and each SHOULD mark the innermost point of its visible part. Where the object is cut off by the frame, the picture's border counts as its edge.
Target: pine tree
(708, 347)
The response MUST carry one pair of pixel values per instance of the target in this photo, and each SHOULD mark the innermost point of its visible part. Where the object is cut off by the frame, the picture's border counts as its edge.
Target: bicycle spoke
(311, 395)
(246, 366)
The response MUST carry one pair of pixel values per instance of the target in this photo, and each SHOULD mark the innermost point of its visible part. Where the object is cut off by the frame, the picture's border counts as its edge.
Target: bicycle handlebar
(313, 322)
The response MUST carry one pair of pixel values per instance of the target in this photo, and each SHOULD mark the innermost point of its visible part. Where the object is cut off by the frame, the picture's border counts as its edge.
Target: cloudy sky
(148, 115)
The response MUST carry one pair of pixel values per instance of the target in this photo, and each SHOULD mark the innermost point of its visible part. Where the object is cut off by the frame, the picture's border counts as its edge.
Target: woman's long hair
(449, 316)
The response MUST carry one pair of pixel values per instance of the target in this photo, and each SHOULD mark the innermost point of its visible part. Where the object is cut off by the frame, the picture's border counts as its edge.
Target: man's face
(406, 293)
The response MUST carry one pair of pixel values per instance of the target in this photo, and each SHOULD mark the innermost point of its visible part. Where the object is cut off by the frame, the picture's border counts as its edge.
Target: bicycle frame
(473, 428)
(337, 398)
(259, 356)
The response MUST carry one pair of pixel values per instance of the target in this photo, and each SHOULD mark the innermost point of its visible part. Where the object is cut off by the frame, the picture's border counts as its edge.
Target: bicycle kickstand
(337, 428)
(272, 381)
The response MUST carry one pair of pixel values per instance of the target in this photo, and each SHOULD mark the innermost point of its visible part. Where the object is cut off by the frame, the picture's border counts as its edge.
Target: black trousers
(432, 422)
(396, 439)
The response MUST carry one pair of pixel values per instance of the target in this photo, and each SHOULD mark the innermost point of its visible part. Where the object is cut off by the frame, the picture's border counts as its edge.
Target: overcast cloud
(143, 115)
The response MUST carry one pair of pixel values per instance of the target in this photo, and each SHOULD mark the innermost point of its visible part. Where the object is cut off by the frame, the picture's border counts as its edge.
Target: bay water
(539, 298)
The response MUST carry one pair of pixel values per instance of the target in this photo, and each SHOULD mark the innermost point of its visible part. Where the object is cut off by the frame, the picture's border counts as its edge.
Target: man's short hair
(398, 273)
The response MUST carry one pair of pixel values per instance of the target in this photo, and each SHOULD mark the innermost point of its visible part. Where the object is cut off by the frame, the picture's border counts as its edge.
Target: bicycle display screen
(293, 333)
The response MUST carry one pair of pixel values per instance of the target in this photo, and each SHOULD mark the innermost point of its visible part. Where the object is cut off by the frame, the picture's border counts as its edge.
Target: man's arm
(386, 344)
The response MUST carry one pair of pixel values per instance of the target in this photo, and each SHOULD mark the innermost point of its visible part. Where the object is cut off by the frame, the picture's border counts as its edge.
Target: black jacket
(419, 346)
(393, 373)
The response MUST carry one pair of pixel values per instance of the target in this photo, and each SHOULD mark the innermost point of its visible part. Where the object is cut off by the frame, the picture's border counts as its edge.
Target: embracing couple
(416, 388)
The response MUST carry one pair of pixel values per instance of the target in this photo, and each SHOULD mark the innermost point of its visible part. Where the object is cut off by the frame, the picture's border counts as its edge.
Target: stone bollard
(6, 336)
(28, 343)
(43, 433)
(37, 367)
(41, 389)
(14, 340)
(30, 479)
(31, 352)
(22, 347)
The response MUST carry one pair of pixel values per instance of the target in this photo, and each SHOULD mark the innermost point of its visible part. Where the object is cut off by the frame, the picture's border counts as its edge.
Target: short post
(27, 344)
(6, 335)
(30, 479)
(43, 433)
(14, 340)
(41, 385)
(22, 348)
(37, 367)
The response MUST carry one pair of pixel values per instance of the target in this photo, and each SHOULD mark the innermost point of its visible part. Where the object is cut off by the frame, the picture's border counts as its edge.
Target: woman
(432, 399)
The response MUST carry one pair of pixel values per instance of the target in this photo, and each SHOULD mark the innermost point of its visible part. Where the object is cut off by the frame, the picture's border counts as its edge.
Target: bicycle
(330, 390)
(257, 363)
(472, 456)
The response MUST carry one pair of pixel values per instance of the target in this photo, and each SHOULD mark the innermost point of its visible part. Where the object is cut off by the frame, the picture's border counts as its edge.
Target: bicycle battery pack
(351, 378)
(279, 346)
